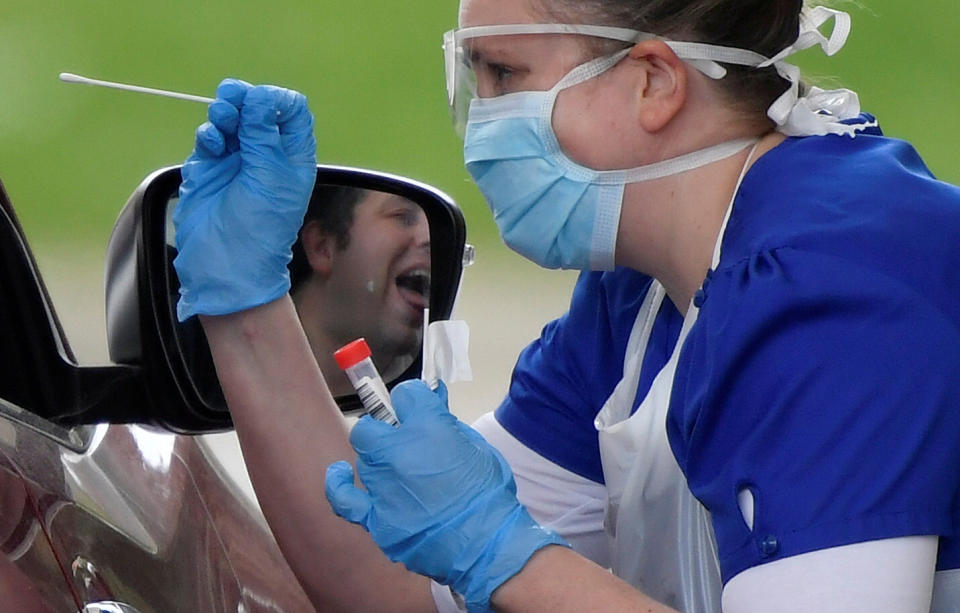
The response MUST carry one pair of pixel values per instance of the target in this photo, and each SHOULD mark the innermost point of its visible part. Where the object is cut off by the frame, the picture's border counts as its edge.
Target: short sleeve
(831, 393)
(562, 379)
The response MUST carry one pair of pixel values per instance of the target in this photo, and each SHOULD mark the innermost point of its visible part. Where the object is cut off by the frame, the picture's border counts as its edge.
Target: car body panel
(141, 511)
(31, 577)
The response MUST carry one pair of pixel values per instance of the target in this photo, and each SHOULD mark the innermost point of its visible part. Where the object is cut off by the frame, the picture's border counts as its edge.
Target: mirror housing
(141, 292)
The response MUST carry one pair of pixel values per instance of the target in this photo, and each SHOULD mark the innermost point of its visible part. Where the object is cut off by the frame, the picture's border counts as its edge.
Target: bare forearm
(290, 430)
(557, 580)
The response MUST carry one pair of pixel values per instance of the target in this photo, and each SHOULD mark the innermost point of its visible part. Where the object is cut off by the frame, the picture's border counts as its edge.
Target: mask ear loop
(583, 72)
(818, 112)
(664, 168)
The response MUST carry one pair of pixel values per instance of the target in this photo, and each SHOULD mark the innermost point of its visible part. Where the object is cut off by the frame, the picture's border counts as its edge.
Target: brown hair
(764, 26)
(332, 206)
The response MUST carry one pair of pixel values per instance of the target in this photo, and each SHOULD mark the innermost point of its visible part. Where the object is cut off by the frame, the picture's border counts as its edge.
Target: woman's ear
(319, 247)
(664, 88)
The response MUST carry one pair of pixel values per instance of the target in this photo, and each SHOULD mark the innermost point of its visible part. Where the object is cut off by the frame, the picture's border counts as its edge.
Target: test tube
(354, 358)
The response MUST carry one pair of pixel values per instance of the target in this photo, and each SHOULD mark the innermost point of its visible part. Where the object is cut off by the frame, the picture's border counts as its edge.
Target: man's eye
(406, 217)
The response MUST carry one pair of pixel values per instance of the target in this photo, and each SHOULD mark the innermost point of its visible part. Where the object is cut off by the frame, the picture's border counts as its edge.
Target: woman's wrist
(557, 579)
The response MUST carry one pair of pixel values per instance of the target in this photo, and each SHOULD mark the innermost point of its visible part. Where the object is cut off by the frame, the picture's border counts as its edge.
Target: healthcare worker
(765, 385)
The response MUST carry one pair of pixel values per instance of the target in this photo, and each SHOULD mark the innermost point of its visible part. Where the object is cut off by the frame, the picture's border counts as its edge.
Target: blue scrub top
(823, 373)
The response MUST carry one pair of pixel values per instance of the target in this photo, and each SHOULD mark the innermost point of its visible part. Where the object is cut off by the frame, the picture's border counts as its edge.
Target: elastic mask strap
(581, 73)
(818, 112)
(664, 168)
(589, 70)
(649, 172)
(675, 166)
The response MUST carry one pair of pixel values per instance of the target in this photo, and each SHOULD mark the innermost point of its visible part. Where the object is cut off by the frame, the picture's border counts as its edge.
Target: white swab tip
(69, 77)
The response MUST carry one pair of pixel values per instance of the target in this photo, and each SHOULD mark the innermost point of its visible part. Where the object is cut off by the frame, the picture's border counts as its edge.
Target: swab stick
(72, 78)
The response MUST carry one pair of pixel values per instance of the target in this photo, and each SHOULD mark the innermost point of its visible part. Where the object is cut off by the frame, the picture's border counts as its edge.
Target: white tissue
(445, 352)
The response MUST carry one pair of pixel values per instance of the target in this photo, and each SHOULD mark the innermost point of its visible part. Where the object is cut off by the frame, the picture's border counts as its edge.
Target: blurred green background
(70, 154)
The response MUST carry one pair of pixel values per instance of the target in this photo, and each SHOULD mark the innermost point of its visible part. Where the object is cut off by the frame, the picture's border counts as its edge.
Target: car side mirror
(399, 247)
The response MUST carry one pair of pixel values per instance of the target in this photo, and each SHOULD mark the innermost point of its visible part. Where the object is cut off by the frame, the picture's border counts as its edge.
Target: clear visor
(461, 77)
(792, 112)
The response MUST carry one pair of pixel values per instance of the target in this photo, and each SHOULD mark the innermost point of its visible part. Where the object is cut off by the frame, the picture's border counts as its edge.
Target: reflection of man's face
(375, 287)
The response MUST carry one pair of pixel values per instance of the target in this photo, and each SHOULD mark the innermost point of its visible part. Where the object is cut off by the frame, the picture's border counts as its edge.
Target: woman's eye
(494, 78)
(501, 73)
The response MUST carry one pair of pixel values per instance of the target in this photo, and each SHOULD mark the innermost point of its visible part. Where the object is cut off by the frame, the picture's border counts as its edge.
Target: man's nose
(421, 233)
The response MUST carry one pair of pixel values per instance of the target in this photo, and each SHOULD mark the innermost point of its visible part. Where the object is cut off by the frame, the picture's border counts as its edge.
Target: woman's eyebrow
(497, 49)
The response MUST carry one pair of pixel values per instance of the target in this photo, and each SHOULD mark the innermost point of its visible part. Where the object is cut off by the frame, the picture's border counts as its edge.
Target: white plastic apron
(661, 538)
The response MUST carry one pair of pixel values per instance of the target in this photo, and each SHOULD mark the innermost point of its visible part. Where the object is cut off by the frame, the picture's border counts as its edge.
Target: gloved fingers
(369, 434)
(226, 117)
(224, 112)
(277, 119)
(296, 126)
(442, 393)
(233, 91)
(204, 174)
(299, 146)
(415, 398)
(210, 142)
(347, 500)
(293, 114)
(259, 132)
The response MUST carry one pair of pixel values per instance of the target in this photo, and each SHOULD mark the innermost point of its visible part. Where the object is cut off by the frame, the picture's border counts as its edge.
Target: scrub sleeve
(562, 379)
(822, 378)
(836, 411)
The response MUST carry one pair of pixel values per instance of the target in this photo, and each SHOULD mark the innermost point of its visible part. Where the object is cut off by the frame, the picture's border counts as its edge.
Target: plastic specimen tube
(354, 358)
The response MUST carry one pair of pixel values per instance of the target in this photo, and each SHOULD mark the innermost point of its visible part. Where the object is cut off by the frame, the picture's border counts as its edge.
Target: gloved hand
(244, 193)
(439, 498)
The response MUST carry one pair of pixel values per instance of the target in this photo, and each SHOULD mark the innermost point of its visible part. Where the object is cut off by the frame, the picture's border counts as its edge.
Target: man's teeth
(415, 280)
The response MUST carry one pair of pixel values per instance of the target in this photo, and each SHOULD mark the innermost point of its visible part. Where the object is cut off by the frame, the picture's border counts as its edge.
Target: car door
(32, 579)
(139, 516)
(110, 516)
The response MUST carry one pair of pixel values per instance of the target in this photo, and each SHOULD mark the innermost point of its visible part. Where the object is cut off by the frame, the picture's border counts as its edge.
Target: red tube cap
(352, 354)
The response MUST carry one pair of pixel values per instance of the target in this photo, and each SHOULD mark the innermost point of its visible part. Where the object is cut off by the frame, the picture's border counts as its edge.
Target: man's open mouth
(417, 282)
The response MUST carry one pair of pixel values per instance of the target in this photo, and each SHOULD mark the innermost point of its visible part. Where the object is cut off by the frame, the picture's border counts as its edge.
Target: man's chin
(397, 351)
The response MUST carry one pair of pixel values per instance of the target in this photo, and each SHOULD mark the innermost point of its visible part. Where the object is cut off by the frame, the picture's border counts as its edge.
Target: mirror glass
(361, 268)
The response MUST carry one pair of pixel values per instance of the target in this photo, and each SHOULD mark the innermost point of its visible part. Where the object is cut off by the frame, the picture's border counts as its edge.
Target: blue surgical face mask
(548, 208)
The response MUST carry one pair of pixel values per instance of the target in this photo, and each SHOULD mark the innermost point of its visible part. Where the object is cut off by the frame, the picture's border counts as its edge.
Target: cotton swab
(428, 372)
(72, 78)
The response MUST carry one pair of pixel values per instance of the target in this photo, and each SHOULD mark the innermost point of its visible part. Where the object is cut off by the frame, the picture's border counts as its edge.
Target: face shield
(795, 113)
(461, 76)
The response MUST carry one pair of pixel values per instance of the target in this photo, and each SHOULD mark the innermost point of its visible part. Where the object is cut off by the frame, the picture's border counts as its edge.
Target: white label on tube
(375, 400)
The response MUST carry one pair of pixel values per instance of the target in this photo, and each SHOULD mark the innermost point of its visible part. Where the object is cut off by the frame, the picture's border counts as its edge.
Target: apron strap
(726, 216)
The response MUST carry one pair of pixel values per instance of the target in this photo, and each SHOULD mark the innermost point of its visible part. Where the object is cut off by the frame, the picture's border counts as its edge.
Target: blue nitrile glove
(244, 194)
(439, 498)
